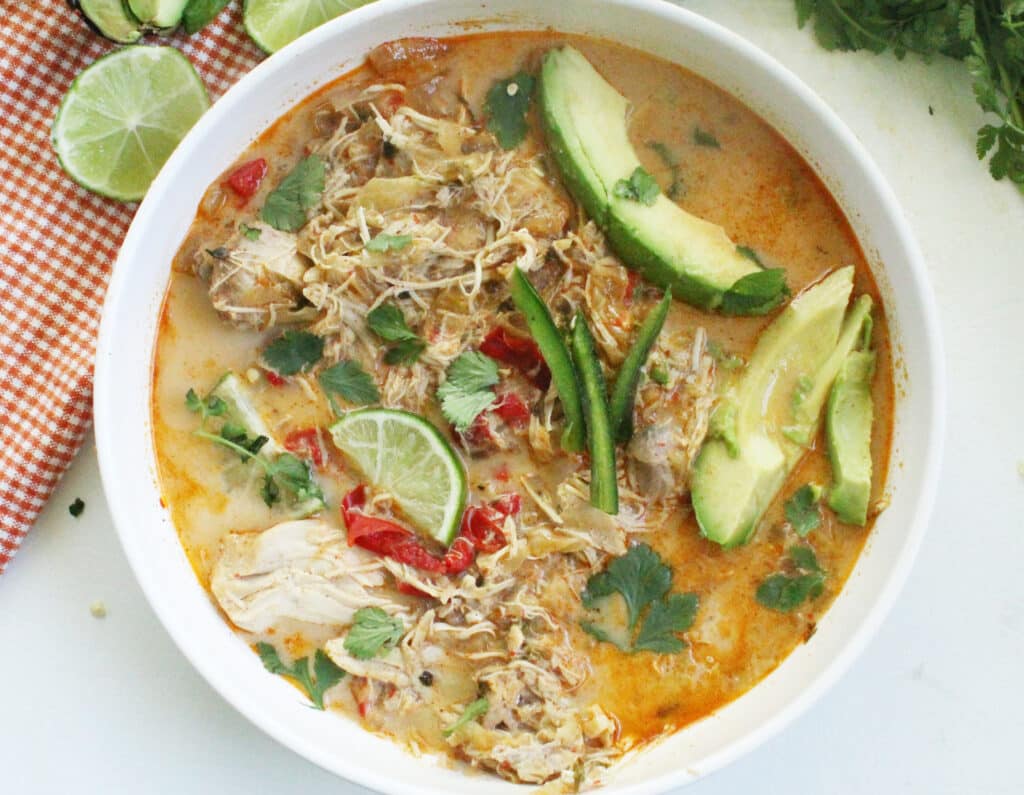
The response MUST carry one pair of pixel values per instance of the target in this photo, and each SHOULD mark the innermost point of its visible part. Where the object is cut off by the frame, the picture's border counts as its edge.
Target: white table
(935, 705)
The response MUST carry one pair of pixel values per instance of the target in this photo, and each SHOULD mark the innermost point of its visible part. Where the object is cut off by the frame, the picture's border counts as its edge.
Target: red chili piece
(274, 379)
(383, 536)
(519, 352)
(245, 180)
(511, 408)
(632, 281)
(412, 590)
(306, 444)
(483, 525)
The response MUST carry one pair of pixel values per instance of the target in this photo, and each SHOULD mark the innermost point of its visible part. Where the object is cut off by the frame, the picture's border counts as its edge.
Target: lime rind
(124, 115)
(274, 23)
(406, 456)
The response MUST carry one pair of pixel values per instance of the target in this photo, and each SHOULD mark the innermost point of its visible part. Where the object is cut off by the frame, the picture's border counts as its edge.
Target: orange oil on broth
(764, 195)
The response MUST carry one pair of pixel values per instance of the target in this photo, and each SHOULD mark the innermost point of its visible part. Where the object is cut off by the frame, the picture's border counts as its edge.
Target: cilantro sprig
(293, 351)
(639, 186)
(785, 592)
(349, 381)
(212, 406)
(987, 35)
(468, 388)
(643, 581)
(316, 675)
(757, 293)
(373, 631)
(474, 711)
(287, 205)
(388, 323)
(702, 137)
(676, 187)
(506, 106)
(802, 509)
(382, 243)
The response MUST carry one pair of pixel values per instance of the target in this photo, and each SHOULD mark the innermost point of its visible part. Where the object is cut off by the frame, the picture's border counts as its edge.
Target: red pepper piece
(482, 526)
(460, 555)
(519, 352)
(632, 282)
(511, 408)
(274, 379)
(411, 590)
(306, 444)
(385, 537)
(245, 180)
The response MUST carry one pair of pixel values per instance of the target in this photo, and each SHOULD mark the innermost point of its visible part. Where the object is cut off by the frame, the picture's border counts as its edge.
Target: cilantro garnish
(293, 351)
(286, 206)
(675, 189)
(373, 631)
(468, 389)
(471, 713)
(722, 358)
(388, 323)
(213, 406)
(802, 509)
(316, 676)
(237, 435)
(507, 104)
(750, 254)
(643, 581)
(351, 382)
(382, 243)
(704, 138)
(250, 232)
(786, 592)
(756, 293)
(77, 507)
(638, 187)
(218, 253)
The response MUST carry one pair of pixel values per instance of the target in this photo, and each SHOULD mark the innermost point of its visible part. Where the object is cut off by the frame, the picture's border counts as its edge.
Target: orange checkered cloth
(58, 243)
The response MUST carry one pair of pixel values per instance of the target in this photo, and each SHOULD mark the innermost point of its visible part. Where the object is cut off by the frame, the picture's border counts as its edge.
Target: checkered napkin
(58, 243)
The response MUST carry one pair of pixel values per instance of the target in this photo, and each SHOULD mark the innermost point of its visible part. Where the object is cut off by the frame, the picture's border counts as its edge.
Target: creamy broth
(754, 185)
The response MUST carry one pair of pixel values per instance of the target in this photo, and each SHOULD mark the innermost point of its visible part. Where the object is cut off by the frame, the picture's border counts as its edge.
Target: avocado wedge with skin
(848, 424)
(772, 411)
(585, 121)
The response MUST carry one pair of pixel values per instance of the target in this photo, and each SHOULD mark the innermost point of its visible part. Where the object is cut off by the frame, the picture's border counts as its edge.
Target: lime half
(124, 115)
(407, 457)
(274, 23)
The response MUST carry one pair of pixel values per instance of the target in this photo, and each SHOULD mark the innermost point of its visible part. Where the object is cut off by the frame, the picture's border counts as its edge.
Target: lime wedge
(407, 457)
(274, 23)
(124, 115)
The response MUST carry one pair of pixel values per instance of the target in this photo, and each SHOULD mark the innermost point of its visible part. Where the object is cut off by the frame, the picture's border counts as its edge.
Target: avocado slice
(585, 121)
(848, 427)
(773, 404)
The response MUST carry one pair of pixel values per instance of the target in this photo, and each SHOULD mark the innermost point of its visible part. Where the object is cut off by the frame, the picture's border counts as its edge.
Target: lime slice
(124, 115)
(407, 457)
(274, 23)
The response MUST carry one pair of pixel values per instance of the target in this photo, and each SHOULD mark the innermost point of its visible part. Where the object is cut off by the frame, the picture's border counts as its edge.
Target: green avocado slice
(585, 121)
(848, 426)
(753, 447)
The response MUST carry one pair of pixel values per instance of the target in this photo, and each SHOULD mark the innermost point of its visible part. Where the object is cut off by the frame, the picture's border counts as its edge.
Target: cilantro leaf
(213, 406)
(704, 138)
(640, 187)
(786, 592)
(372, 632)
(756, 293)
(388, 323)
(664, 619)
(250, 232)
(351, 382)
(286, 207)
(802, 509)
(506, 106)
(382, 243)
(77, 507)
(676, 187)
(200, 13)
(405, 352)
(468, 388)
(471, 713)
(315, 679)
(723, 358)
(643, 581)
(293, 351)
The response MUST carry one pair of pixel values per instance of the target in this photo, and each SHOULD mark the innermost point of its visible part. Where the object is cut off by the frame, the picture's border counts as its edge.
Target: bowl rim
(932, 360)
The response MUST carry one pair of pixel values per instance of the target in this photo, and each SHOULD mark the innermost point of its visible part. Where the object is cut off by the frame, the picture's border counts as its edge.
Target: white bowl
(129, 325)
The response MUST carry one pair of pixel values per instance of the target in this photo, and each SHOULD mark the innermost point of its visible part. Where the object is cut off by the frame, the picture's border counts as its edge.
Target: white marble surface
(935, 705)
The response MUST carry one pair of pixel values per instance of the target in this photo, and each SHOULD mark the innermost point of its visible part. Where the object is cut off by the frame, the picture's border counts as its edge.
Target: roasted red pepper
(521, 353)
(511, 408)
(483, 525)
(245, 180)
(306, 444)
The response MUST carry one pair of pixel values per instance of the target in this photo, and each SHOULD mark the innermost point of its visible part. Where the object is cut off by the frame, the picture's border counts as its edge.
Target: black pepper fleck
(388, 149)
(426, 679)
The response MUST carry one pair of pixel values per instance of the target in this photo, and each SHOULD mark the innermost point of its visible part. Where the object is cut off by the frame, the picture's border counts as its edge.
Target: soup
(524, 398)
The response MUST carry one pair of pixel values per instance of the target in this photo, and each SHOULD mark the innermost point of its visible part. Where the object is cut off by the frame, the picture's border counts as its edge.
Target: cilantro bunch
(987, 35)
